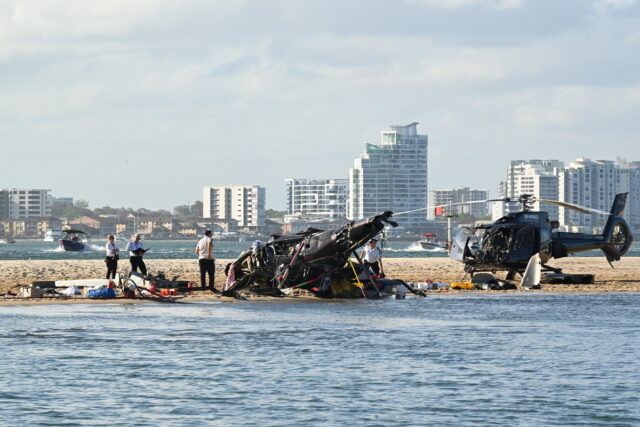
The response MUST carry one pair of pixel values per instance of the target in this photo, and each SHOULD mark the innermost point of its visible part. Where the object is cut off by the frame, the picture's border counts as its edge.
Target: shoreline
(624, 278)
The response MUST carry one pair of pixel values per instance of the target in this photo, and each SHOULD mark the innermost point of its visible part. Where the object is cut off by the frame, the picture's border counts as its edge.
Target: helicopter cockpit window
(525, 239)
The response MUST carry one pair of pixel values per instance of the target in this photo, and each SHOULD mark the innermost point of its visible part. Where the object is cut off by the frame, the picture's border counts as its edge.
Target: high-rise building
(391, 176)
(593, 184)
(18, 203)
(245, 204)
(4, 205)
(460, 195)
(324, 198)
(629, 174)
(538, 178)
(583, 182)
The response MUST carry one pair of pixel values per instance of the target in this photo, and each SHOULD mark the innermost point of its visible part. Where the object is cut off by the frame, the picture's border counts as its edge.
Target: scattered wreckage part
(482, 278)
(568, 279)
(531, 276)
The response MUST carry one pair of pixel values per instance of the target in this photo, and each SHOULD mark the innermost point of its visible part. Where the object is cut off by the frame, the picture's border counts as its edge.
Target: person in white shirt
(372, 257)
(204, 250)
(136, 252)
(113, 254)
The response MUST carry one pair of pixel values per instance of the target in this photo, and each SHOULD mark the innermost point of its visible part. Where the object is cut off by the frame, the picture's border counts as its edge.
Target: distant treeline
(81, 208)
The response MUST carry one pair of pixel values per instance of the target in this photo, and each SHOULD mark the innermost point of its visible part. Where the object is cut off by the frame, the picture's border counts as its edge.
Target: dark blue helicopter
(509, 243)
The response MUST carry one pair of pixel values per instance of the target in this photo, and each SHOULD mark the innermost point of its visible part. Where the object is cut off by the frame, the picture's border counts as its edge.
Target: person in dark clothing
(113, 254)
(136, 252)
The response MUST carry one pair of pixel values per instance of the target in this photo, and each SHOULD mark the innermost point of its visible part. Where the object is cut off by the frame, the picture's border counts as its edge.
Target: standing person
(113, 254)
(204, 250)
(372, 257)
(136, 252)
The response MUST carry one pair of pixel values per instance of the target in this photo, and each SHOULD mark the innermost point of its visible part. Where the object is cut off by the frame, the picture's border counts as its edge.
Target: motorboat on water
(7, 240)
(52, 235)
(73, 240)
(430, 241)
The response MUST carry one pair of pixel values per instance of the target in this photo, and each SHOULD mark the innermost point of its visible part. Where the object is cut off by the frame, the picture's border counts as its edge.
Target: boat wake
(414, 247)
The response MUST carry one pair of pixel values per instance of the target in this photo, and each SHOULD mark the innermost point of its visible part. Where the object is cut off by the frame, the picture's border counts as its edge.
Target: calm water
(507, 359)
(172, 249)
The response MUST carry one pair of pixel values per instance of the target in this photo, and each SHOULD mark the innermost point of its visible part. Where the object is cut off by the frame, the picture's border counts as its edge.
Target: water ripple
(548, 359)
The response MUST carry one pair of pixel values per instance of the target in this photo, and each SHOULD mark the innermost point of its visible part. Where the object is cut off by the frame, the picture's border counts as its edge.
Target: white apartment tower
(326, 198)
(460, 195)
(18, 203)
(245, 204)
(593, 184)
(391, 176)
(535, 177)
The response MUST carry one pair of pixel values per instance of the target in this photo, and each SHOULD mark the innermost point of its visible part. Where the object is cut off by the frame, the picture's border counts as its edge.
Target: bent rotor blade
(582, 209)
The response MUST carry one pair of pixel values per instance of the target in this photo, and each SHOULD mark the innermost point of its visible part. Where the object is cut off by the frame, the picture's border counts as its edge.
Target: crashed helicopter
(316, 260)
(523, 242)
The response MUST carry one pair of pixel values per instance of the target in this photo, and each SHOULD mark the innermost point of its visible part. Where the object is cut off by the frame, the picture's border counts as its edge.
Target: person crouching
(372, 257)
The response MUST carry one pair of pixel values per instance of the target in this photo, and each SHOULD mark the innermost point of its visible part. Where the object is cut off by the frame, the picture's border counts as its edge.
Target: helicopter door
(459, 244)
(525, 243)
(466, 244)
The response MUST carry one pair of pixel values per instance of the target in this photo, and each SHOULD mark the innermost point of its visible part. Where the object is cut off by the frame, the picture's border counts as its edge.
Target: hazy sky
(142, 102)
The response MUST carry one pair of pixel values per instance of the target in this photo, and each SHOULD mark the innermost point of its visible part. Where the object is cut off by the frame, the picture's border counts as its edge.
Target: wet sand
(624, 278)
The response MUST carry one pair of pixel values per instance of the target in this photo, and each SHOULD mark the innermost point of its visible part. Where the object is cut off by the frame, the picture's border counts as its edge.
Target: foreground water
(181, 249)
(505, 359)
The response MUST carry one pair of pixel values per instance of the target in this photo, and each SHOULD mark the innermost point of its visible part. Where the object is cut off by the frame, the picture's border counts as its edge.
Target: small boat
(430, 241)
(52, 235)
(73, 240)
(7, 240)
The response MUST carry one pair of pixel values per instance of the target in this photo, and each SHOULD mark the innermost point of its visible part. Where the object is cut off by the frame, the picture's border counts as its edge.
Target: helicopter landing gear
(546, 267)
(511, 275)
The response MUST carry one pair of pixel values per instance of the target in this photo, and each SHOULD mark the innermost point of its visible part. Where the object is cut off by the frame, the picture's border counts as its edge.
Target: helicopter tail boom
(614, 241)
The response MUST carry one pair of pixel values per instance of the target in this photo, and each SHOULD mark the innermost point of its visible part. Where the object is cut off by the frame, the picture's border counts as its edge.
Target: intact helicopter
(525, 241)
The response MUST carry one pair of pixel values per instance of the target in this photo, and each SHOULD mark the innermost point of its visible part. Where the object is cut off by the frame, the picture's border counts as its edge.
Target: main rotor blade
(583, 209)
(444, 205)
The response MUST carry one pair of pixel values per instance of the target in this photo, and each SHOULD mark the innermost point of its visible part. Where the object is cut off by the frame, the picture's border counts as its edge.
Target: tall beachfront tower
(326, 198)
(244, 203)
(391, 176)
(535, 177)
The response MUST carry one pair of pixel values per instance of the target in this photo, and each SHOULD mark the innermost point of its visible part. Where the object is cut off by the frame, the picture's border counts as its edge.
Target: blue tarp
(102, 293)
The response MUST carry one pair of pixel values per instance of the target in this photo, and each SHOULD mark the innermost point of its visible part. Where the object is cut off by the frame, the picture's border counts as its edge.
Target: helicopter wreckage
(318, 261)
(521, 243)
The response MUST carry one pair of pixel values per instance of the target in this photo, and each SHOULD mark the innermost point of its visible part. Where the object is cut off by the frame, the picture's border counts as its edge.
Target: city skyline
(184, 95)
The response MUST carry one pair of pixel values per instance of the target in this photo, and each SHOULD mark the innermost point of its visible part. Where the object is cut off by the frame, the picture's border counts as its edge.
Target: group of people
(204, 251)
(371, 256)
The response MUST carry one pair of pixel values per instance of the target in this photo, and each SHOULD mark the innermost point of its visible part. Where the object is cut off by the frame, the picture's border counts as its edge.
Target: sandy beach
(625, 277)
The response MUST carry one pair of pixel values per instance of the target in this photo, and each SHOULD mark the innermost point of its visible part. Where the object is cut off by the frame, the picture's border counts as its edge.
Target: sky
(142, 103)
